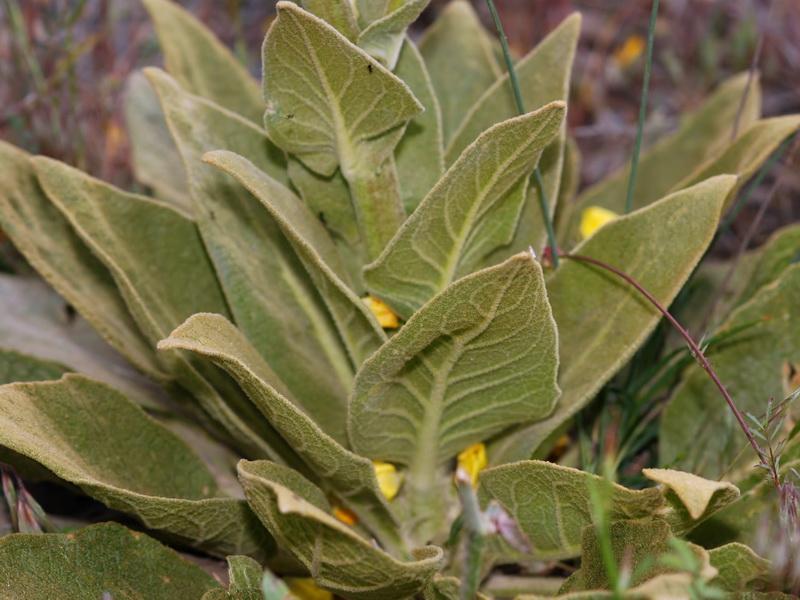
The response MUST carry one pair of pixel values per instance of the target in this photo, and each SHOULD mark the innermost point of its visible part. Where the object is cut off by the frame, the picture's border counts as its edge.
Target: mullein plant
(334, 291)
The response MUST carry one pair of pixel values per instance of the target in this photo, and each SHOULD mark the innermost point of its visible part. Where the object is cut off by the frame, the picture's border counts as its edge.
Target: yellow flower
(473, 461)
(630, 51)
(345, 515)
(385, 315)
(594, 217)
(304, 588)
(389, 480)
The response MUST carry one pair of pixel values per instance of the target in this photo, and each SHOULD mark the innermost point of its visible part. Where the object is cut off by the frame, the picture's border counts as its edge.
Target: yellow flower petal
(389, 480)
(304, 588)
(385, 315)
(594, 217)
(346, 516)
(630, 51)
(473, 461)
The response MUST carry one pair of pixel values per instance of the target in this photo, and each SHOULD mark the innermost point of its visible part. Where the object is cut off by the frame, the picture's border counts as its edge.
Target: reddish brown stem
(696, 352)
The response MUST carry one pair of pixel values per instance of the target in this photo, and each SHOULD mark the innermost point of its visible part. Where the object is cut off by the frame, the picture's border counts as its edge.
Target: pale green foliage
(230, 304)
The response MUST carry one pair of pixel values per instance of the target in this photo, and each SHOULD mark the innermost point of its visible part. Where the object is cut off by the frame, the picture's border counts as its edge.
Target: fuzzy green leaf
(552, 504)
(739, 567)
(337, 557)
(103, 558)
(472, 210)
(750, 366)
(747, 153)
(458, 32)
(601, 319)
(338, 13)
(196, 58)
(156, 162)
(543, 76)
(702, 135)
(349, 475)
(15, 366)
(326, 97)
(355, 323)
(383, 38)
(780, 251)
(691, 499)
(94, 437)
(50, 244)
(138, 240)
(478, 357)
(420, 154)
(35, 321)
(273, 299)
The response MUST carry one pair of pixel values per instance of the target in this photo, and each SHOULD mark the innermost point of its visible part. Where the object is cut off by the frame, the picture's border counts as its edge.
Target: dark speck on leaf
(369, 68)
(290, 116)
(213, 215)
(322, 218)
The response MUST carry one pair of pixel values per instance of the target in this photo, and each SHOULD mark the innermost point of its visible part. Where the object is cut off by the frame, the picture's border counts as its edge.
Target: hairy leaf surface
(458, 84)
(273, 299)
(102, 558)
(349, 475)
(601, 319)
(198, 60)
(552, 504)
(94, 437)
(750, 365)
(337, 557)
(471, 210)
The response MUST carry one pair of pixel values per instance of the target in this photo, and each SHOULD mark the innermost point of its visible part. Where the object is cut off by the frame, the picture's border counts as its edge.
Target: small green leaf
(272, 297)
(440, 384)
(552, 504)
(355, 323)
(601, 319)
(326, 97)
(458, 32)
(338, 558)
(350, 475)
(15, 366)
(47, 240)
(383, 38)
(103, 558)
(139, 239)
(477, 358)
(470, 212)
(94, 437)
(543, 76)
(244, 573)
(747, 153)
(338, 13)
(779, 252)
(447, 588)
(739, 567)
(156, 162)
(36, 321)
(420, 154)
(750, 366)
(702, 135)
(203, 66)
(691, 499)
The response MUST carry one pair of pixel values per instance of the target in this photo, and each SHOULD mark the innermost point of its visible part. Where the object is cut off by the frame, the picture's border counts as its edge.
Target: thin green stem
(537, 173)
(642, 108)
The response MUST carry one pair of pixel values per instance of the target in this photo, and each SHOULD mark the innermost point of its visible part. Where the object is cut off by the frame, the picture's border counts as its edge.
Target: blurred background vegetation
(64, 64)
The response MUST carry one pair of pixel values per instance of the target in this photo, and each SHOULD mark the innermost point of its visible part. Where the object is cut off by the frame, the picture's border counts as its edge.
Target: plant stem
(696, 352)
(537, 172)
(642, 108)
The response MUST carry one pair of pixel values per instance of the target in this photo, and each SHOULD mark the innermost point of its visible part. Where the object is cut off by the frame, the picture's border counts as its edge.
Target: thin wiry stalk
(642, 108)
(696, 352)
(537, 172)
